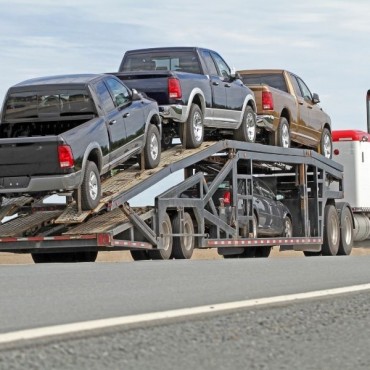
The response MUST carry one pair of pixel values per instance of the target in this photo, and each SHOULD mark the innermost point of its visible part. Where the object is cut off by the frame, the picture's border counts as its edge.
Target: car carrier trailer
(189, 215)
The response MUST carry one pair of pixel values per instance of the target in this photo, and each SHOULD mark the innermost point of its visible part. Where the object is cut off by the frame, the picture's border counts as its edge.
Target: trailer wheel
(331, 231)
(194, 128)
(346, 232)
(152, 149)
(326, 144)
(141, 255)
(91, 187)
(183, 246)
(247, 130)
(166, 252)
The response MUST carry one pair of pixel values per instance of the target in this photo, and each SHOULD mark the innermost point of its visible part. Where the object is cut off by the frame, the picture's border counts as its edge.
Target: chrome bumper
(266, 122)
(175, 112)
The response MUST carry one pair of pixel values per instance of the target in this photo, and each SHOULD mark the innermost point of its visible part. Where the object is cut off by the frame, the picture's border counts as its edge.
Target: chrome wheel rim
(285, 136)
(154, 147)
(348, 230)
(93, 186)
(334, 235)
(288, 229)
(251, 127)
(188, 238)
(197, 127)
(327, 146)
(167, 238)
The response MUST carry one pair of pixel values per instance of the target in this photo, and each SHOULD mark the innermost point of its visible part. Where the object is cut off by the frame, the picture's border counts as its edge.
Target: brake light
(174, 88)
(267, 100)
(65, 156)
(227, 198)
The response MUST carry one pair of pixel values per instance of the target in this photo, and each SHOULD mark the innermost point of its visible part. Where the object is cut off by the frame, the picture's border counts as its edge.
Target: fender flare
(249, 100)
(194, 92)
(92, 146)
(153, 112)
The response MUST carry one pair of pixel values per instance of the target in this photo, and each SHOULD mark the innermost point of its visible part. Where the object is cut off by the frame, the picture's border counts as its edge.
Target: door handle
(300, 103)
(126, 115)
(309, 107)
(227, 85)
(112, 122)
(215, 83)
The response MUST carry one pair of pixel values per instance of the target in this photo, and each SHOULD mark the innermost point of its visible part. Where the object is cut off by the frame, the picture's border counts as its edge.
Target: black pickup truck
(195, 90)
(62, 133)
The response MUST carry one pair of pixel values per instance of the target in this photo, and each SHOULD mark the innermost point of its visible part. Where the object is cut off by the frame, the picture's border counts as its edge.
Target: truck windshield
(275, 80)
(33, 104)
(185, 61)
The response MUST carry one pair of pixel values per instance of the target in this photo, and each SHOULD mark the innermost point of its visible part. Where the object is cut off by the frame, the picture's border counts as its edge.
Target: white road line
(64, 329)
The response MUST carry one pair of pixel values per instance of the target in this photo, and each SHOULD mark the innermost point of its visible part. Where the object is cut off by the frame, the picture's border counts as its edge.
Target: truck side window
(121, 95)
(296, 87)
(104, 96)
(210, 63)
(223, 68)
(305, 90)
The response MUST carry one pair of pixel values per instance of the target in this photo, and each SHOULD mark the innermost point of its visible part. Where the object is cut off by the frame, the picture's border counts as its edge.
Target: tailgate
(29, 156)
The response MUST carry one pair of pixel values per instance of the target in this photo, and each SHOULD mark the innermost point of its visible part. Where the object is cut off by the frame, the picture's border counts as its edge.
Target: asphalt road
(313, 334)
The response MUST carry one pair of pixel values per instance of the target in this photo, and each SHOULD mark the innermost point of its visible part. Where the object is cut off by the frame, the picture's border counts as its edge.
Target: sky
(325, 42)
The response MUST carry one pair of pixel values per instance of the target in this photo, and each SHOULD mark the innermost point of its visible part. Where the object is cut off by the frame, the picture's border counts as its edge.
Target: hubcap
(197, 127)
(154, 147)
(188, 238)
(288, 229)
(167, 238)
(327, 146)
(93, 186)
(334, 231)
(348, 230)
(251, 127)
(285, 136)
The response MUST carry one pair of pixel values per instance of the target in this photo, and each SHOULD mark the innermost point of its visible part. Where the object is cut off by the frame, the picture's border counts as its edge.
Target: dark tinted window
(210, 63)
(121, 94)
(275, 80)
(105, 97)
(185, 61)
(223, 68)
(33, 104)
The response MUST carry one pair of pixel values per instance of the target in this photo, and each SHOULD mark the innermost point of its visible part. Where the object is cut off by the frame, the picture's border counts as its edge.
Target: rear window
(33, 104)
(275, 80)
(184, 61)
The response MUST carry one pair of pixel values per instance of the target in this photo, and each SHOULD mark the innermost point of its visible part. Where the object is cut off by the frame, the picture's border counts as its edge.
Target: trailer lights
(65, 156)
(336, 152)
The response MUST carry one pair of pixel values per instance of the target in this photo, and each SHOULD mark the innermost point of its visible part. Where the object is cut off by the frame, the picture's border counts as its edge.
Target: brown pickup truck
(287, 111)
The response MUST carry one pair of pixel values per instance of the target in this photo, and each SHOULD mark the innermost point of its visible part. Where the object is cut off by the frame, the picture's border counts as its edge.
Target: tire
(140, 255)
(283, 134)
(288, 227)
(183, 246)
(91, 187)
(247, 130)
(194, 128)
(331, 231)
(346, 232)
(166, 252)
(326, 144)
(65, 257)
(152, 149)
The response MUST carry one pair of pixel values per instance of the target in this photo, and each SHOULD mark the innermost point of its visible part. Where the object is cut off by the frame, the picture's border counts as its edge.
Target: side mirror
(135, 95)
(234, 74)
(279, 197)
(315, 98)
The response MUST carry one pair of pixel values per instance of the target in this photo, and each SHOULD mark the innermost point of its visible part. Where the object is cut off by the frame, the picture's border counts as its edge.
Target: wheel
(65, 257)
(331, 231)
(166, 252)
(183, 246)
(283, 134)
(288, 227)
(139, 255)
(194, 128)
(248, 128)
(346, 232)
(326, 144)
(91, 187)
(152, 149)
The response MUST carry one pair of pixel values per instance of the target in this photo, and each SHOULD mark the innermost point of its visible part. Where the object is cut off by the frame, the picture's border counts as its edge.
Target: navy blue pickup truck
(62, 133)
(195, 90)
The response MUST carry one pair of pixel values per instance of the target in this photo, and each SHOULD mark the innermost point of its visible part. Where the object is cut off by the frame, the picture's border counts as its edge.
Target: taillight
(65, 156)
(267, 100)
(227, 198)
(174, 88)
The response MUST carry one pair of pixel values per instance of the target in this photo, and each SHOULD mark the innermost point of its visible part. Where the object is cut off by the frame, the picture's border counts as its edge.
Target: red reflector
(267, 101)
(336, 151)
(65, 156)
(227, 198)
(174, 88)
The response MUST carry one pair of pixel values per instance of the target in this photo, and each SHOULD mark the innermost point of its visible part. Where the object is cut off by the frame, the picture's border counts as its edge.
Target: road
(333, 329)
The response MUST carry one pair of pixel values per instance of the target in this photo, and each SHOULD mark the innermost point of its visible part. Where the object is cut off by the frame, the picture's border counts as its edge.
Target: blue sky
(324, 42)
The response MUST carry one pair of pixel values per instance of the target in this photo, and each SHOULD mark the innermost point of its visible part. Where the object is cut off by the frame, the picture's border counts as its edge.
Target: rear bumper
(10, 185)
(175, 112)
(266, 121)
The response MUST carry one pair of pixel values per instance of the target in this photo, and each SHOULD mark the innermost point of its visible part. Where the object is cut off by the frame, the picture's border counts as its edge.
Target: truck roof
(160, 49)
(261, 71)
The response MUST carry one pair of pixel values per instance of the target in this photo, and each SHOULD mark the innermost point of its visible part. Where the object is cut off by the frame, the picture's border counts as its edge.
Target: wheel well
(155, 120)
(252, 105)
(285, 114)
(198, 101)
(326, 125)
(94, 156)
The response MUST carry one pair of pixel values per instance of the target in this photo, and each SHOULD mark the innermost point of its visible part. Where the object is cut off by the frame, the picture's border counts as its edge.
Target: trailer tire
(331, 231)
(152, 149)
(140, 255)
(194, 128)
(166, 252)
(346, 232)
(90, 187)
(247, 130)
(183, 246)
